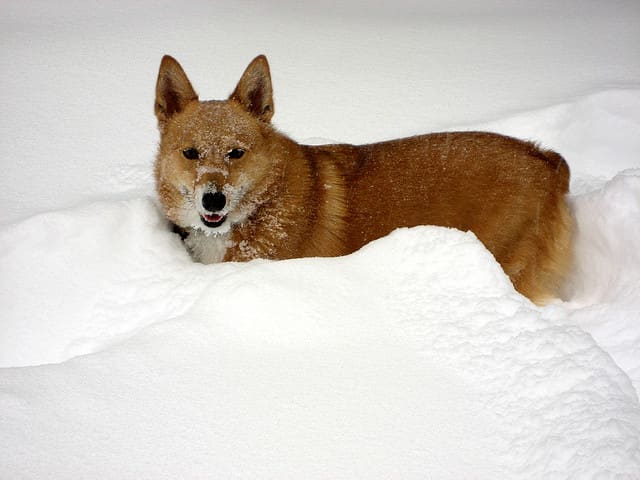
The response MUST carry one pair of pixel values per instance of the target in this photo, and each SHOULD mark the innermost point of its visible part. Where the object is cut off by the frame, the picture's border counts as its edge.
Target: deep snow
(413, 357)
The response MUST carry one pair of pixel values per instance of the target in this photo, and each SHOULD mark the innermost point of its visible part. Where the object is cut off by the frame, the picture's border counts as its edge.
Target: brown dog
(238, 189)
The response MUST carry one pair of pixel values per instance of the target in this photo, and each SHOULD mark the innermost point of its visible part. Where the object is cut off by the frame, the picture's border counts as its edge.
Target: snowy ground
(411, 358)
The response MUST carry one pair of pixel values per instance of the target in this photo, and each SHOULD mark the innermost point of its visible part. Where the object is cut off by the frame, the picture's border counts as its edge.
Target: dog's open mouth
(213, 220)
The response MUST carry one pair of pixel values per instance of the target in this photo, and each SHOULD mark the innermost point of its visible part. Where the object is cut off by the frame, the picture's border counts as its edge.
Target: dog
(237, 189)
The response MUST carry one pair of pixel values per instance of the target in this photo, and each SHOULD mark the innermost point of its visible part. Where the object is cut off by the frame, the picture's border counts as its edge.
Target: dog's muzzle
(213, 203)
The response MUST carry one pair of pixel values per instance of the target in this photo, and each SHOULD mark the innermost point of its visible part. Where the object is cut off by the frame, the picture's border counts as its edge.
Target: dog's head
(215, 163)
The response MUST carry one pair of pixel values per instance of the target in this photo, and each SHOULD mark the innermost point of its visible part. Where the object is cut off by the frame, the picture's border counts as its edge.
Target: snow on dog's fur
(238, 189)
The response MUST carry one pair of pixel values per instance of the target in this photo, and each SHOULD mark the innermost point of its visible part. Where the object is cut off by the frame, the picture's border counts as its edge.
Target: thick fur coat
(237, 189)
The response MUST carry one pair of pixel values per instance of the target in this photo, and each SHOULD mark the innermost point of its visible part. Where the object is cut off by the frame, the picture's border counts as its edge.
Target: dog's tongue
(213, 218)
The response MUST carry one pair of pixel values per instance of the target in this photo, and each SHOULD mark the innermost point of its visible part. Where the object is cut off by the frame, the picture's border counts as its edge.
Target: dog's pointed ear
(254, 91)
(173, 90)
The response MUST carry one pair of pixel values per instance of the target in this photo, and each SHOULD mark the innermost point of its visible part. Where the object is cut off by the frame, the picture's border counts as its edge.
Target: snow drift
(413, 357)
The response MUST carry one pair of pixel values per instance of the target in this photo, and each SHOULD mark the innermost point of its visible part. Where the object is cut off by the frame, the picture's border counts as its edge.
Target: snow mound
(605, 286)
(412, 356)
(79, 279)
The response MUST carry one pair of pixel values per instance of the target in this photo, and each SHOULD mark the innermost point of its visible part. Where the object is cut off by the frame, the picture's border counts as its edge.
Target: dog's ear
(254, 91)
(173, 90)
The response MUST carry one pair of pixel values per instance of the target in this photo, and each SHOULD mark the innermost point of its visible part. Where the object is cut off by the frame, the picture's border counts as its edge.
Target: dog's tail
(559, 166)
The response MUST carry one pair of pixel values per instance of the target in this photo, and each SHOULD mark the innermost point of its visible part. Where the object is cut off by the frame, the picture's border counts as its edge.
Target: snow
(412, 358)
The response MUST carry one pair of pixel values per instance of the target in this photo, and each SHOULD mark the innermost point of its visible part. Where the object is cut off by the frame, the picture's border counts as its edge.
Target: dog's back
(510, 193)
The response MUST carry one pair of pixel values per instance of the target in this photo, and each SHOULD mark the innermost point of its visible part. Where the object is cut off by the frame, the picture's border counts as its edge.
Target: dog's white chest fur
(208, 248)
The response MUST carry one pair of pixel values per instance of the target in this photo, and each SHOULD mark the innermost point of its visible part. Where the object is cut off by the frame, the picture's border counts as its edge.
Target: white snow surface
(411, 358)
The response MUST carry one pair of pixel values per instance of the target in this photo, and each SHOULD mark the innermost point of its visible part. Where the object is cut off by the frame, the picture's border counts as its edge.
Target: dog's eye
(191, 153)
(235, 153)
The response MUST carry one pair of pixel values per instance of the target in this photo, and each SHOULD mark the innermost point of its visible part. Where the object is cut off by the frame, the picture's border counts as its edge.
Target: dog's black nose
(214, 202)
